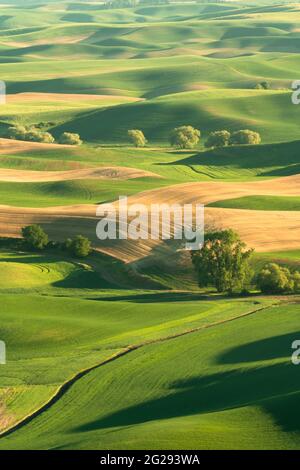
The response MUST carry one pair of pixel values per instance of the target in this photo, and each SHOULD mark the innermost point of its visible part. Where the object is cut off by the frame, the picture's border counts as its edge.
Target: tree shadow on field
(275, 388)
(266, 349)
(159, 297)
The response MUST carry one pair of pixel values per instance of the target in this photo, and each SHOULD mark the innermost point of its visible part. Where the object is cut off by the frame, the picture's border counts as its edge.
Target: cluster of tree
(181, 137)
(223, 138)
(224, 263)
(35, 237)
(31, 134)
(131, 3)
(275, 279)
(120, 4)
(37, 134)
(187, 137)
(80, 246)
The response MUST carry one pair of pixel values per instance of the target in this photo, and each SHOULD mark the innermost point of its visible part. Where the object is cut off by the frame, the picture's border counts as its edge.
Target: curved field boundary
(107, 172)
(63, 389)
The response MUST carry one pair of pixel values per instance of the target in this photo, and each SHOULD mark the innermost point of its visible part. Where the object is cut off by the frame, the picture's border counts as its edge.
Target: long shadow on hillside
(276, 388)
(125, 275)
(157, 297)
(266, 349)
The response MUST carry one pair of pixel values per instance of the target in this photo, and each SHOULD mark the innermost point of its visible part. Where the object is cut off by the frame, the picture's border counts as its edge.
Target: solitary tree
(185, 137)
(245, 137)
(137, 137)
(223, 262)
(70, 138)
(218, 139)
(35, 236)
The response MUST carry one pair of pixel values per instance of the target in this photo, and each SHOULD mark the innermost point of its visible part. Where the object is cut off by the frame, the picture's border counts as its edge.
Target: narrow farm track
(63, 389)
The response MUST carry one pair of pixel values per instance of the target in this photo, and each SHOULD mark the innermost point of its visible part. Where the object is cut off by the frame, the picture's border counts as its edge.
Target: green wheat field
(122, 349)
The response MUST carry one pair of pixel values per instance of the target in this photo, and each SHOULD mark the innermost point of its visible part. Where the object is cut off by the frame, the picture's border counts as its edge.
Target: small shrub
(263, 86)
(69, 138)
(16, 132)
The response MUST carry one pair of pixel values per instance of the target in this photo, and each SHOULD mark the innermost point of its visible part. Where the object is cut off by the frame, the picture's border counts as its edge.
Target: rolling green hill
(228, 392)
(263, 203)
(126, 351)
(207, 110)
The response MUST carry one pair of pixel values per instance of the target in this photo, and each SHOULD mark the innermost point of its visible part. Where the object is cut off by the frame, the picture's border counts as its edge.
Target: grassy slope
(227, 395)
(72, 327)
(265, 112)
(71, 192)
(160, 64)
(232, 164)
(211, 387)
(263, 203)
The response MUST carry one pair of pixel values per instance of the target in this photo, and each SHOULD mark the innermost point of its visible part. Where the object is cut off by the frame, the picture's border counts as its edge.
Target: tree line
(223, 262)
(37, 134)
(187, 137)
(182, 137)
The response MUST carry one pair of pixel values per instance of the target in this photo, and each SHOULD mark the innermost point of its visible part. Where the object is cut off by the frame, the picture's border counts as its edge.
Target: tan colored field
(10, 146)
(211, 191)
(57, 40)
(27, 176)
(64, 97)
(262, 230)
